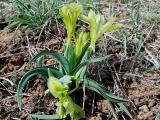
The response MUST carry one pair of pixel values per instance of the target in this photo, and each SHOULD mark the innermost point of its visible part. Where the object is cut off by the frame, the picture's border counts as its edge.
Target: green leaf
(60, 110)
(61, 59)
(46, 117)
(82, 38)
(121, 105)
(85, 18)
(70, 55)
(81, 72)
(40, 62)
(90, 61)
(83, 54)
(12, 25)
(107, 28)
(37, 71)
(65, 79)
(94, 86)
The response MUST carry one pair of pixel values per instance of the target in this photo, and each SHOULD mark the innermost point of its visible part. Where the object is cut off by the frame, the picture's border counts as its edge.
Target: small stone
(103, 105)
(139, 117)
(145, 116)
(98, 117)
(155, 108)
(144, 108)
(148, 115)
(136, 101)
(151, 103)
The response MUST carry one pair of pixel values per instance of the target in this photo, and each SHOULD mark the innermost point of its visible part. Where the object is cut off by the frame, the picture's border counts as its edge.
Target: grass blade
(45, 117)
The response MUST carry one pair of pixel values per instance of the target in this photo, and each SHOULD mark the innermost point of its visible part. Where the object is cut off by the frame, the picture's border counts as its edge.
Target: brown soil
(144, 94)
(6, 37)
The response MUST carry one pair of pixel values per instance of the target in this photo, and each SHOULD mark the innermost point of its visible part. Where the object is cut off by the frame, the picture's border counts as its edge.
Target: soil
(144, 94)
(142, 89)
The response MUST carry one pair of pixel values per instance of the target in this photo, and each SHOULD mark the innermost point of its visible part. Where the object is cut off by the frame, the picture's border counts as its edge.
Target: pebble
(144, 108)
(145, 116)
(151, 103)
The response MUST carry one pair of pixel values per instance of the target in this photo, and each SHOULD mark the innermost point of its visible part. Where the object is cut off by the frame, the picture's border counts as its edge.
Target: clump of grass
(4, 6)
(33, 14)
(151, 13)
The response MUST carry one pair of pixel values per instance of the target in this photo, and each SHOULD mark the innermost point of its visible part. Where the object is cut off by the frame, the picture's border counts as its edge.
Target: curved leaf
(94, 86)
(37, 71)
(40, 62)
(63, 61)
(87, 62)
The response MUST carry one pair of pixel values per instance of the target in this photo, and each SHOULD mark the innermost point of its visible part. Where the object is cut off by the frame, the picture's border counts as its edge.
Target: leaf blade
(62, 60)
(94, 86)
(30, 74)
(125, 109)
(90, 61)
(45, 117)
